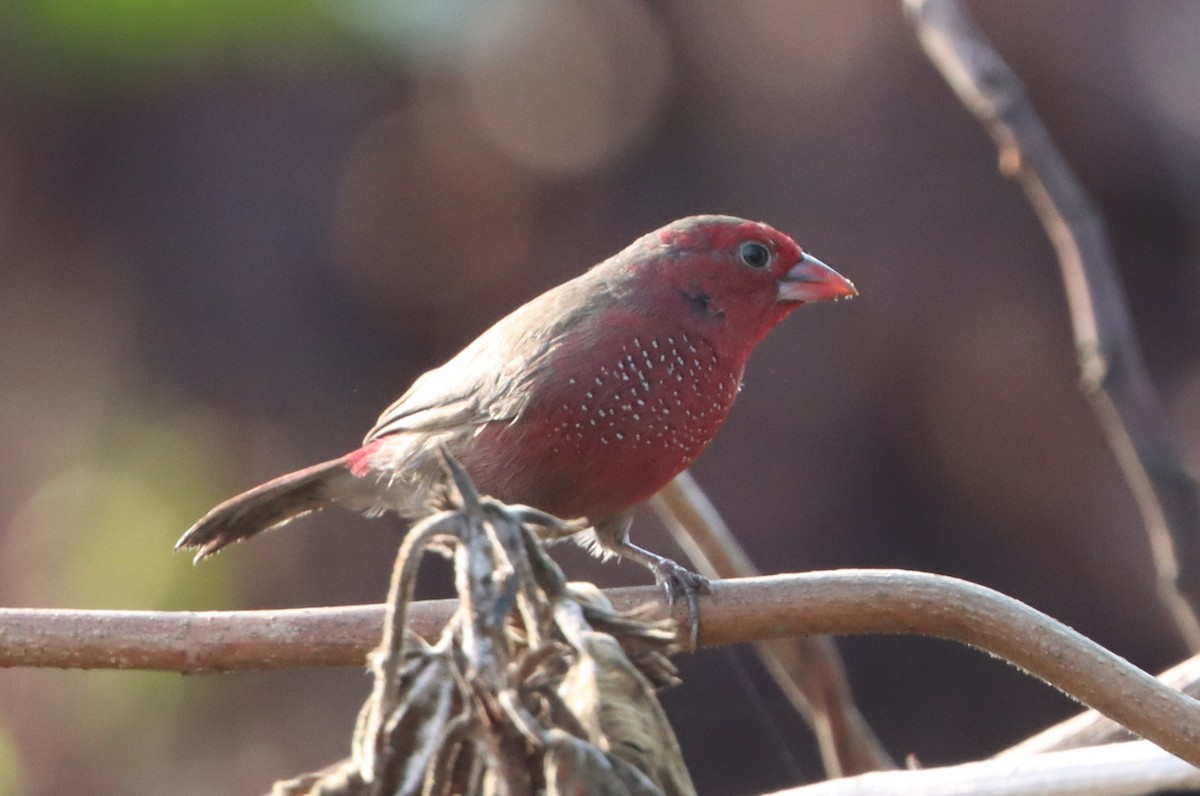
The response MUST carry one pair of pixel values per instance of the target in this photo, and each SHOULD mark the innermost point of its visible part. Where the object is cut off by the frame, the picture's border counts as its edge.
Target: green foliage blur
(114, 43)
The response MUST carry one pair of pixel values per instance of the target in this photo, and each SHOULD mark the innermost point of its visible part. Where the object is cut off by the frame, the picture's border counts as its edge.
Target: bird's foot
(679, 581)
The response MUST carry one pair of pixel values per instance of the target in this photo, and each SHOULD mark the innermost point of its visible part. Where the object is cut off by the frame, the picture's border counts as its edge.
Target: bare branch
(1123, 769)
(196, 642)
(1093, 729)
(1114, 375)
(808, 669)
(752, 609)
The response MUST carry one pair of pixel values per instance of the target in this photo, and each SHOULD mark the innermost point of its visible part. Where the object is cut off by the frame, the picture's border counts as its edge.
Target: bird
(581, 403)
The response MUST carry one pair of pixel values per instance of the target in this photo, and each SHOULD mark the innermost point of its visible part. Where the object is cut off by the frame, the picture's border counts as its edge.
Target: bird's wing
(428, 406)
(444, 398)
(488, 381)
(406, 416)
(495, 377)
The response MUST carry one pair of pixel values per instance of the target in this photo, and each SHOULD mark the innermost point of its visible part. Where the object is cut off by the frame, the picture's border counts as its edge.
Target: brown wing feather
(490, 380)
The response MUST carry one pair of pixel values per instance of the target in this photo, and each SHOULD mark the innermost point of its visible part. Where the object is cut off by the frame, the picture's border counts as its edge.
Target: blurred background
(231, 233)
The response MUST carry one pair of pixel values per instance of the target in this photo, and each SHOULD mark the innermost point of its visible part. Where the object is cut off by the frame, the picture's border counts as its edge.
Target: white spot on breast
(647, 407)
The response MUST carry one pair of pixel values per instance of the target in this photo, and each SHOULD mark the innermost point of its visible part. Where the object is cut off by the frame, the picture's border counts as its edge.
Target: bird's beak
(812, 280)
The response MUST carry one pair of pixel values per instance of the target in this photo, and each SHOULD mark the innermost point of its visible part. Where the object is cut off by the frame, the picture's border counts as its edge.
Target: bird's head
(734, 279)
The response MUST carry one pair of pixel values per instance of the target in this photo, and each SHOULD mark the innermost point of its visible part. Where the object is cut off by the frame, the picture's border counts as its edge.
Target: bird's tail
(267, 506)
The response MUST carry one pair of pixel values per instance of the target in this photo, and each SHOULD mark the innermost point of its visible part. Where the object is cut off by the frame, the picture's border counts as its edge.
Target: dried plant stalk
(527, 689)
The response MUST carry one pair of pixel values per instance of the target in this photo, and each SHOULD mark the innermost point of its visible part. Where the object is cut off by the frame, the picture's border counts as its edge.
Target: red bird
(582, 403)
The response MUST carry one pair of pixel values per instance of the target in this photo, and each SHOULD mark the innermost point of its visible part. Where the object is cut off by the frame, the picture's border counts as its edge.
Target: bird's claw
(679, 581)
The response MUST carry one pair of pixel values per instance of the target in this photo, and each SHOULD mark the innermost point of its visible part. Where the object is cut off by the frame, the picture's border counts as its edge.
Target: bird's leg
(677, 580)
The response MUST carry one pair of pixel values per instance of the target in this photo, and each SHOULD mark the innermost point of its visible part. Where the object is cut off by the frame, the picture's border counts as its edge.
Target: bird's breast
(611, 425)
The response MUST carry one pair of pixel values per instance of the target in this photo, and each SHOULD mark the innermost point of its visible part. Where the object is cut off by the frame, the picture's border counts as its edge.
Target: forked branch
(1114, 375)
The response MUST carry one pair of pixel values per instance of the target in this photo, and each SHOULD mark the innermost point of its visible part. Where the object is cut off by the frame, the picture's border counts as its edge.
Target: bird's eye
(754, 254)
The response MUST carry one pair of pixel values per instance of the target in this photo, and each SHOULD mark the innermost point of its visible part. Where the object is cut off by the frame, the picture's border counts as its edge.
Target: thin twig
(1114, 375)
(752, 609)
(808, 669)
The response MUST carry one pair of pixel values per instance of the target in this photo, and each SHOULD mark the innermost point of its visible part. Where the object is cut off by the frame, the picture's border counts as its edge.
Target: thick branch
(1115, 378)
(753, 609)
